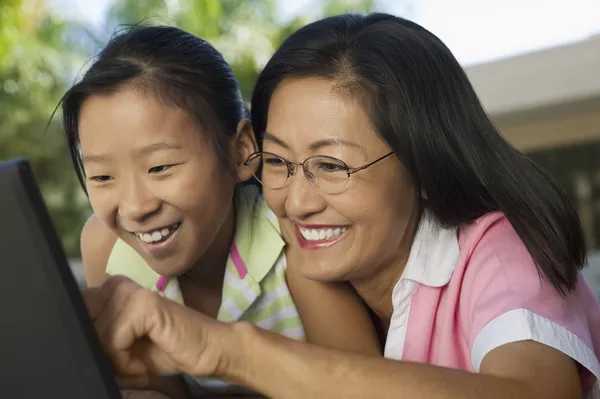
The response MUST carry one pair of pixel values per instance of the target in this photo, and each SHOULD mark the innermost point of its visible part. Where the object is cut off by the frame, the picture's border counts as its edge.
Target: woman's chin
(324, 271)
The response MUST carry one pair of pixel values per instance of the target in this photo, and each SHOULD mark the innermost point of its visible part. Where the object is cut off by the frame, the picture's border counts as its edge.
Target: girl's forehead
(128, 123)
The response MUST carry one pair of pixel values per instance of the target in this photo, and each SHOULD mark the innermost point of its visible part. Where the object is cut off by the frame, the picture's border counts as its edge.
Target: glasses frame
(292, 167)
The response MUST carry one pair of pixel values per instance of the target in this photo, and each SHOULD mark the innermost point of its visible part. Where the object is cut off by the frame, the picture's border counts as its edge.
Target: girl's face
(155, 181)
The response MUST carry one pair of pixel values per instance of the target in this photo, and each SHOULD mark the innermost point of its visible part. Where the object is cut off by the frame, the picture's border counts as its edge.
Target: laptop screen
(48, 348)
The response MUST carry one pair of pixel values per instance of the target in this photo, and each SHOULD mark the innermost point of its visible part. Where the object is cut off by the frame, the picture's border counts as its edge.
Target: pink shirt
(469, 290)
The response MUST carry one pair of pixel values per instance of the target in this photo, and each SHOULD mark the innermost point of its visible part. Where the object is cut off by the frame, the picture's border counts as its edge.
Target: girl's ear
(244, 145)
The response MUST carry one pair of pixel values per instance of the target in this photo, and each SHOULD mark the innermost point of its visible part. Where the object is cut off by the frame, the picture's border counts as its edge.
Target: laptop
(48, 347)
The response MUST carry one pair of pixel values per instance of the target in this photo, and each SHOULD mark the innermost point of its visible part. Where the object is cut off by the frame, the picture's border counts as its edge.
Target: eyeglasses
(328, 174)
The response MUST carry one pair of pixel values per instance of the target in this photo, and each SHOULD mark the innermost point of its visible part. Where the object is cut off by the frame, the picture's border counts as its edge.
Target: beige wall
(546, 98)
(552, 127)
(563, 74)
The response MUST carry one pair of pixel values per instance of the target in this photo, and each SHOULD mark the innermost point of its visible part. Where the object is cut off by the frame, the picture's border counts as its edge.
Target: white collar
(434, 253)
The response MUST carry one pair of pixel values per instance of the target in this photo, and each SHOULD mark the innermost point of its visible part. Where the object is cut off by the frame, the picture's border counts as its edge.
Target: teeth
(156, 235)
(322, 234)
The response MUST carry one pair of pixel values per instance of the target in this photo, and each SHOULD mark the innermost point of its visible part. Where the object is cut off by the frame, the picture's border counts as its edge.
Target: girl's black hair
(177, 67)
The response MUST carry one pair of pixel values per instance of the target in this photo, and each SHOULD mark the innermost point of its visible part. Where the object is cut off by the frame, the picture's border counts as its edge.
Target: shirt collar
(256, 248)
(257, 236)
(434, 253)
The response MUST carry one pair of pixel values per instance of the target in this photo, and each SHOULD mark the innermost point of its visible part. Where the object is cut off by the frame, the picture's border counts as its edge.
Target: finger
(93, 300)
(124, 321)
(131, 335)
(124, 363)
(116, 298)
(123, 359)
(124, 325)
(96, 298)
(118, 313)
(157, 361)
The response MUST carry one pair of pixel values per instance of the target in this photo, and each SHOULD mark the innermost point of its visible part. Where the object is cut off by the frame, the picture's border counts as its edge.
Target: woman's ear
(244, 144)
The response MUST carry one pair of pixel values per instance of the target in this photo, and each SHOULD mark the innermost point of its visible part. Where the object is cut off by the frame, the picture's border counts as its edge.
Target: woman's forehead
(308, 112)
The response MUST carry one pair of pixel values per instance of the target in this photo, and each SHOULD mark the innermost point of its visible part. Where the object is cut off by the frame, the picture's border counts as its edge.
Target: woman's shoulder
(504, 298)
(492, 224)
(495, 267)
(492, 241)
(497, 272)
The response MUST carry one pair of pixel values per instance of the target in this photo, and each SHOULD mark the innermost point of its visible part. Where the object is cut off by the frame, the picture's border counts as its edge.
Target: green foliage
(246, 32)
(34, 59)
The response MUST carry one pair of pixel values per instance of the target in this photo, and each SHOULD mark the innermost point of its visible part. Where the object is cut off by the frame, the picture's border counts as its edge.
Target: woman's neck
(376, 289)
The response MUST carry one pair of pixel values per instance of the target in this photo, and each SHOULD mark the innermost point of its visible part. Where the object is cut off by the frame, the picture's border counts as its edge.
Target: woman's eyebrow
(315, 146)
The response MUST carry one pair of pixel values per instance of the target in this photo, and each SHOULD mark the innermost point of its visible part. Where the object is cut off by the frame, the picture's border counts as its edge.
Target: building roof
(544, 99)
(550, 77)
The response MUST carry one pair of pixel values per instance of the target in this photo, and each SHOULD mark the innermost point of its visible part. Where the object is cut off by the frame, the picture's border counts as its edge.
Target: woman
(385, 171)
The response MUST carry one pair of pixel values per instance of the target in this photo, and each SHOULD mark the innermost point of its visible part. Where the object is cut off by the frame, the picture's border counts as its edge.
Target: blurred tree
(245, 32)
(35, 60)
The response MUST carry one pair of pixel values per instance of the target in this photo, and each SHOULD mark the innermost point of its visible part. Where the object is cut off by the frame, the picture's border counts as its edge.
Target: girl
(158, 133)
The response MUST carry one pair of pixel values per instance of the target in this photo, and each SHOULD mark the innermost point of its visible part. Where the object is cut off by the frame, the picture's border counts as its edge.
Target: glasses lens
(329, 175)
(270, 170)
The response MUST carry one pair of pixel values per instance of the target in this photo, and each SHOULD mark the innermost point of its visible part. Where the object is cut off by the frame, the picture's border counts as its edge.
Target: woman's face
(358, 231)
(153, 179)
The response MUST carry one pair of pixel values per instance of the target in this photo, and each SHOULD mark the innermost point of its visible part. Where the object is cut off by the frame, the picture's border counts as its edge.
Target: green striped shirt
(254, 288)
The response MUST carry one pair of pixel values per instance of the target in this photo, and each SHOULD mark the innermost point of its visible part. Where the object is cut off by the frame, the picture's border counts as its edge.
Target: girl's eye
(159, 169)
(101, 179)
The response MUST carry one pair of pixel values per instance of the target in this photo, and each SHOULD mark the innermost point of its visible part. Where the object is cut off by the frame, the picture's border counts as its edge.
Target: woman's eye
(330, 167)
(101, 179)
(159, 169)
(274, 161)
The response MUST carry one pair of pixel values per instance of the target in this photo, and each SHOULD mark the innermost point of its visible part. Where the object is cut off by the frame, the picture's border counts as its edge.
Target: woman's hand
(146, 335)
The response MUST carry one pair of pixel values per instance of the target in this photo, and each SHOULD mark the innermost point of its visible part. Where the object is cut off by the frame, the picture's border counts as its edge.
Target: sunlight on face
(337, 236)
(153, 179)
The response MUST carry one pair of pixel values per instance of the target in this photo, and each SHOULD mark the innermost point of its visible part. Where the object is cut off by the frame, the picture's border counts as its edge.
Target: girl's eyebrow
(144, 151)
(159, 146)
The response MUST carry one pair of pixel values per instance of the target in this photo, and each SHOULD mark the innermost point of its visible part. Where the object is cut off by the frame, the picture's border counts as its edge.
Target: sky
(476, 31)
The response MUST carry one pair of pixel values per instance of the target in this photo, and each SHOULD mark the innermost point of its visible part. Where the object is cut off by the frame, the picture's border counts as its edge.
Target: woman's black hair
(420, 101)
(177, 67)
